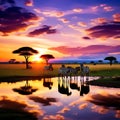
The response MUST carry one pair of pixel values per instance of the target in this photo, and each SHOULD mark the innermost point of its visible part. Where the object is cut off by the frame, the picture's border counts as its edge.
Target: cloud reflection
(19, 108)
(54, 117)
(83, 106)
(43, 101)
(104, 102)
(64, 110)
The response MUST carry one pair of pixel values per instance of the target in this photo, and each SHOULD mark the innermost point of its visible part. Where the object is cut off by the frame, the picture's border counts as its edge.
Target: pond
(58, 99)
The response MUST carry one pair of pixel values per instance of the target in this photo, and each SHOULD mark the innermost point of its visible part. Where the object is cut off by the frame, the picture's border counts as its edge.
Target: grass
(108, 82)
(17, 72)
(8, 70)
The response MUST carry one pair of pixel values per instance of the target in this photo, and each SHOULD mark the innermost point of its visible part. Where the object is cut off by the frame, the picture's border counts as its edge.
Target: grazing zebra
(63, 71)
(74, 71)
(86, 70)
(68, 71)
(48, 67)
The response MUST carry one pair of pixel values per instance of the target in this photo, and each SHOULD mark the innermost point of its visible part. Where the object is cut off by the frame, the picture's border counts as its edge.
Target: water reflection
(67, 83)
(63, 86)
(68, 99)
(47, 82)
(26, 89)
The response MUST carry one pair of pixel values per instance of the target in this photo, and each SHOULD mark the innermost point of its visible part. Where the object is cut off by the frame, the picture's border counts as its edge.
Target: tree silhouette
(111, 59)
(12, 61)
(100, 61)
(46, 57)
(26, 52)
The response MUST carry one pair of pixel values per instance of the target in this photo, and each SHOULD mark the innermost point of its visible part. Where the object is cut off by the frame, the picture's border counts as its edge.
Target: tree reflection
(47, 82)
(26, 89)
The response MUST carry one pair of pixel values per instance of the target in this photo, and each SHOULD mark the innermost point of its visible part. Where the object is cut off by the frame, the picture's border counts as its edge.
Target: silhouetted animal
(47, 83)
(48, 67)
(73, 71)
(74, 84)
(68, 71)
(63, 86)
(84, 89)
(63, 71)
(85, 71)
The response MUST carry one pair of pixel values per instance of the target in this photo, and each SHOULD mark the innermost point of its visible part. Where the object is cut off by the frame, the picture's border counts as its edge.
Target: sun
(36, 58)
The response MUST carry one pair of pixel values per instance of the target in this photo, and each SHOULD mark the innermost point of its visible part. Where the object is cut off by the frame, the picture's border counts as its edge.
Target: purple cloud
(12, 2)
(86, 38)
(105, 30)
(44, 29)
(92, 49)
(14, 19)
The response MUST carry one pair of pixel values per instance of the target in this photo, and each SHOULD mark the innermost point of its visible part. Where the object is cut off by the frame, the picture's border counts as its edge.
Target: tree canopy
(46, 57)
(26, 52)
(111, 59)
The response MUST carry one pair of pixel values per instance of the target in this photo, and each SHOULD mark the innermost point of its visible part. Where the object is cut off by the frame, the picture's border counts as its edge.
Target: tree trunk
(27, 63)
(110, 62)
(47, 61)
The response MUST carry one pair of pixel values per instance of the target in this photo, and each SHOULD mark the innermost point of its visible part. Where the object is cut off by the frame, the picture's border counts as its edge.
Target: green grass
(17, 72)
(8, 70)
(108, 82)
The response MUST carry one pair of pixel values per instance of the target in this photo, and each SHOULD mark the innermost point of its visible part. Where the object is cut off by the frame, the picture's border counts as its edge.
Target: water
(61, 99)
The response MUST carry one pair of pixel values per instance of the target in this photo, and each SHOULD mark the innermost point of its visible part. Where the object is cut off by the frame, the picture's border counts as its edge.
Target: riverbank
(107, 82)
(102, 81)
(17, 72)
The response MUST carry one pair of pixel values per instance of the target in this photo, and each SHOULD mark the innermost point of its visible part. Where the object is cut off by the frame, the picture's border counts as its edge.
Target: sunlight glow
(36, 58)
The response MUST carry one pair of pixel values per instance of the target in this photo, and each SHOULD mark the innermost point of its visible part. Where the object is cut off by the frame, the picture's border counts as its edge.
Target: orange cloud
(83, 106)
(64, 110)
(98, 21)
(116, 17)
(54, 117)
(64, 20)
(117, 115)
(95, 8)
(103, 7)
(100, 110)
(108, 8)
(82, 24)
(77, 10)
(37, 10)
(29, 2)
(53, 13)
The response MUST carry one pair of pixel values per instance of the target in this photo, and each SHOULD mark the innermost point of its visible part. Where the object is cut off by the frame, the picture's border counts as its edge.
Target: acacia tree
(47, 57)
(111, 59)
(26, 52)
(12, 61)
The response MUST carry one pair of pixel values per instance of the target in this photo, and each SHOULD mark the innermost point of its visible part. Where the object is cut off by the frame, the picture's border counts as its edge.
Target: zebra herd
(70, 71)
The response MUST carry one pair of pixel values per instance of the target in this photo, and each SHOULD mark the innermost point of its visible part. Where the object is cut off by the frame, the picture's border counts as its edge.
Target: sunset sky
(64, 28)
